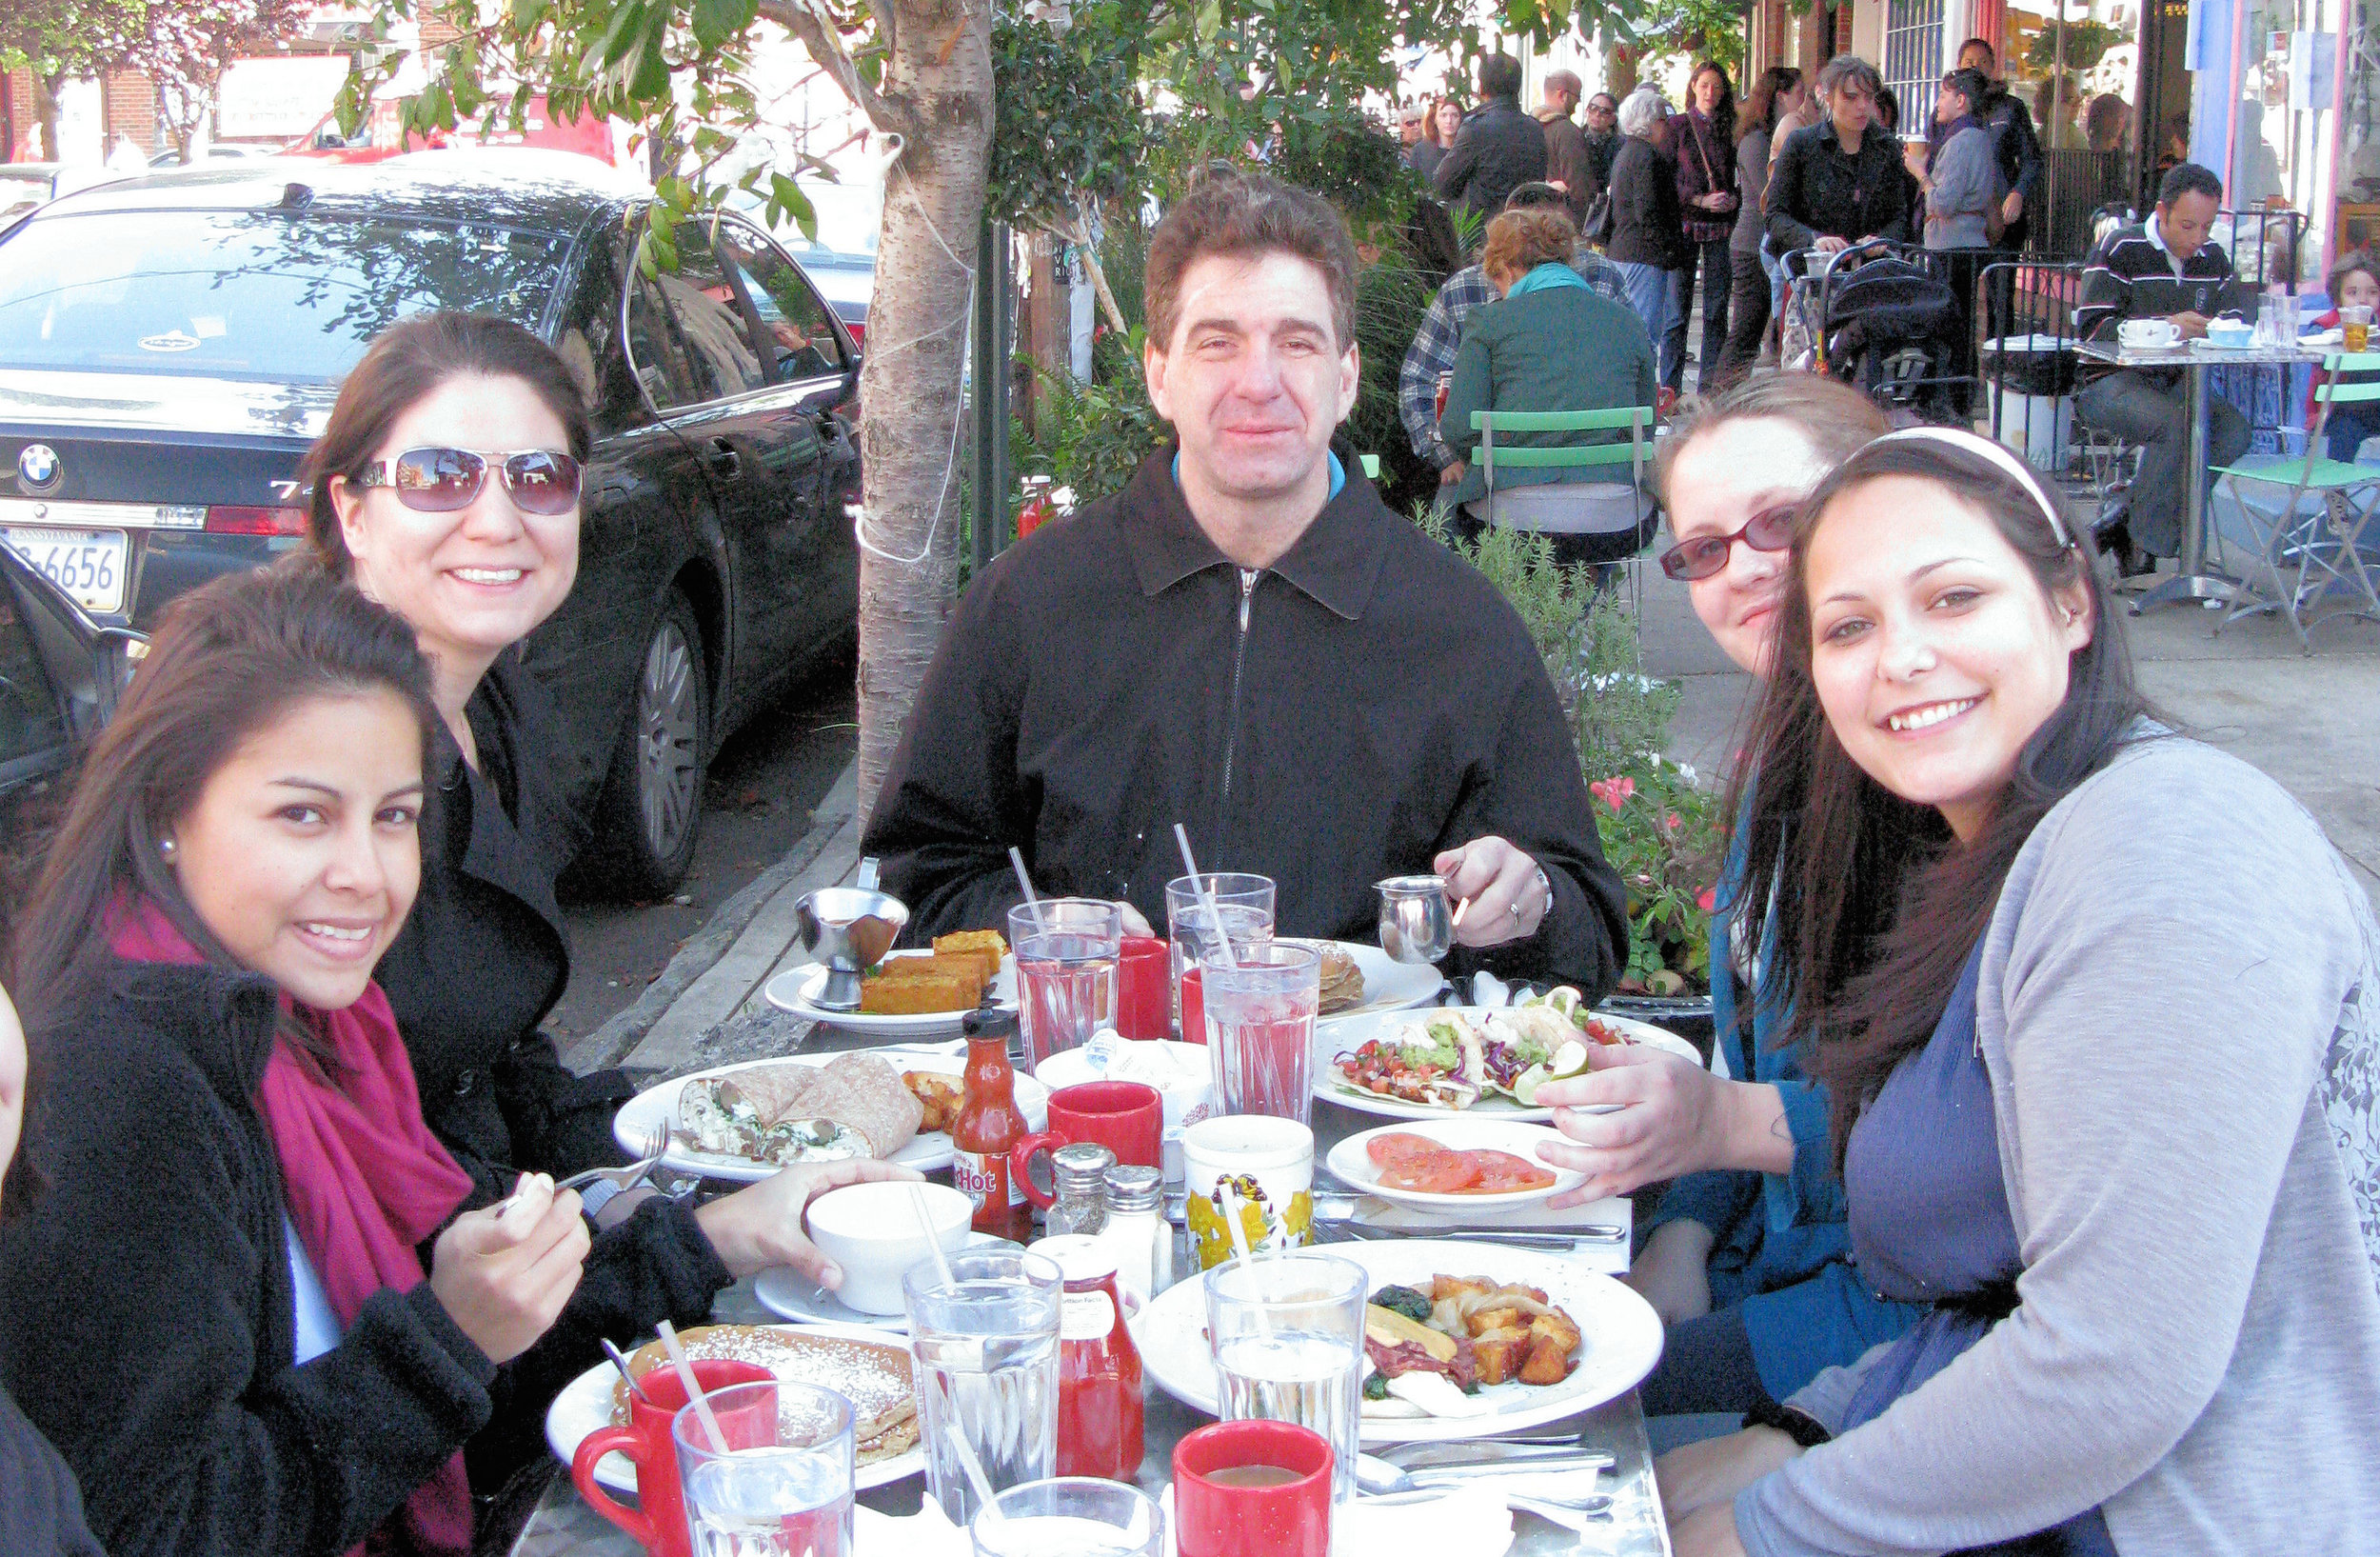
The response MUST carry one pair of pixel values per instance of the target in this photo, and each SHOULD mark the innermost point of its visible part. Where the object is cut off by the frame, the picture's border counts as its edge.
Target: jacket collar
(1336, 560)
(520, 869)
(227, 1020)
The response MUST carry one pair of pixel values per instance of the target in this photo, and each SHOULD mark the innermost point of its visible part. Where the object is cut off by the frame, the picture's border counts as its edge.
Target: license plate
(87, 564)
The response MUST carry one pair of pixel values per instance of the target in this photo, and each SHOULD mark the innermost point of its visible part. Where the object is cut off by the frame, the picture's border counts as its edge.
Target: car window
(713, 318)
(799, 339)
(249, 294)
(653, 347)
(30, 720)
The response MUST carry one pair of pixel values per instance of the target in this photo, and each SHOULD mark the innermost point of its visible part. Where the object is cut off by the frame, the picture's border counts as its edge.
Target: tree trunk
(938, 82)
(46, 113)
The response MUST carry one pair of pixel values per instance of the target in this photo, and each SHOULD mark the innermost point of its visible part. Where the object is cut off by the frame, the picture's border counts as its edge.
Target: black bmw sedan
(171, 345)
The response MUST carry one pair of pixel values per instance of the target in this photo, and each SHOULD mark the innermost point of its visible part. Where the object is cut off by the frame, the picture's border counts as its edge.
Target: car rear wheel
(651, 806)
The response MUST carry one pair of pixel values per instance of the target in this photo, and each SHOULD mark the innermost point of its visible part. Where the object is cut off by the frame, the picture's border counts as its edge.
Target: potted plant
(1661, 834)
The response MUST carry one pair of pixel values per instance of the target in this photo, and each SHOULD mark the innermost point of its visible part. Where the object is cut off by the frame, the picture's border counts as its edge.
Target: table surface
(565, 1526)
(2197, 355)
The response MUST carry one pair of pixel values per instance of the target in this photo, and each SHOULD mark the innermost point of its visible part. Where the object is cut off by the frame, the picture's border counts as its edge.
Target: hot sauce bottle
(989, 1125)
(1099, 1368)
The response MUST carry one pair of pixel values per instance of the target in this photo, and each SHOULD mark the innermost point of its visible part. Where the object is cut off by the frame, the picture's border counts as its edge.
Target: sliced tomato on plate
(1398, 1145)
(1501, 1172)
(1435, 1172)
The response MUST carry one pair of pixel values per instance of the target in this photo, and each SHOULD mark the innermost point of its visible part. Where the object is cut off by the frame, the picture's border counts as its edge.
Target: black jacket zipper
(1239, 658)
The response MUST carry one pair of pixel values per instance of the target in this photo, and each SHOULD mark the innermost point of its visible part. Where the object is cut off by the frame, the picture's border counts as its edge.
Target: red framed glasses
(1771, 529)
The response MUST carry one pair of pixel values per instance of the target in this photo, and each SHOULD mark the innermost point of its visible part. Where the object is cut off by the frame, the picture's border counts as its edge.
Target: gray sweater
(2180, 1011)
(1966, 183)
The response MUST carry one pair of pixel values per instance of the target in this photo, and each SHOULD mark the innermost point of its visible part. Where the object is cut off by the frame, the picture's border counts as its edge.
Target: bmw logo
(38, 468)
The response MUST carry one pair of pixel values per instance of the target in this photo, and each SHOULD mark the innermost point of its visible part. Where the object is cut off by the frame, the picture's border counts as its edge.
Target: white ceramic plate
(1351, 1160)
(1339, 1038)
(796, 989)
(1621, 1336)
(792, 1296)
(1388, 984)
(640, 1119)
(585, 1405)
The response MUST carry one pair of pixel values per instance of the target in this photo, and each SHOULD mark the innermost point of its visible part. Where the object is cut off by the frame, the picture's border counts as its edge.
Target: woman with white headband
(2098, 1007)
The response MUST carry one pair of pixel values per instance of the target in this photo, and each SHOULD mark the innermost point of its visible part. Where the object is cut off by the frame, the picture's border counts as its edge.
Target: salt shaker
(1139, 1234)
(1080, 1173)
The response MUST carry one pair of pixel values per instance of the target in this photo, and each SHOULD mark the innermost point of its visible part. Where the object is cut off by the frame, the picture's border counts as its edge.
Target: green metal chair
(1371, 467)
(2320, 543)
(1637, 453)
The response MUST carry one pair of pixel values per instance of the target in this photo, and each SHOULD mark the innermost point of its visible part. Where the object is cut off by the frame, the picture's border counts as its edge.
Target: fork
(624, 1178)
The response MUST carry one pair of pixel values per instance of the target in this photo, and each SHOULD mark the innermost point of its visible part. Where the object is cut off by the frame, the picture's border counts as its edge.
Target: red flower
(1707, 899)
(1614, 791)
(1672, 822)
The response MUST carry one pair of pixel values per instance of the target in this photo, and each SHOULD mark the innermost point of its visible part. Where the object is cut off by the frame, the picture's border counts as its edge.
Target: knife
(1553, 1237)
(1490, 1454)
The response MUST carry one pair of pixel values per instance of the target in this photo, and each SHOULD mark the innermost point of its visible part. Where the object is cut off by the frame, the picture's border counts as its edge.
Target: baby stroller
(1883, 317)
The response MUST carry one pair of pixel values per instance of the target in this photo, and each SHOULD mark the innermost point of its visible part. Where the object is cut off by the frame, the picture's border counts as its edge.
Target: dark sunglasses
(1771, 529)
(444, 480)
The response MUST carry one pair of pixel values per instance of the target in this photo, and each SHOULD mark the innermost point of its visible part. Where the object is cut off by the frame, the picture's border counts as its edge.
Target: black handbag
(1596, 229)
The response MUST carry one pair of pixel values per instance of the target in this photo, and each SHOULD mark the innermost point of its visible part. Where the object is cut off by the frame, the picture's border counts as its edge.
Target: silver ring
(1514, 908)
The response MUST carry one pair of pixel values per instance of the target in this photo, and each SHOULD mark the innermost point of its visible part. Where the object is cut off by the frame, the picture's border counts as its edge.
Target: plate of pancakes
(859, 1364)
(1357, 979)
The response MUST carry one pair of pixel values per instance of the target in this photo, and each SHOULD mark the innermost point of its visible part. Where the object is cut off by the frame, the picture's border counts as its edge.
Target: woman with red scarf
(241, 1302)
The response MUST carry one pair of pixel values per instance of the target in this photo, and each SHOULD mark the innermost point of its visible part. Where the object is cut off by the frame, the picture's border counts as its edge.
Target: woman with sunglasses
(242, 1303)
(2098, 1011)
(1745, 1258)
(445, 486)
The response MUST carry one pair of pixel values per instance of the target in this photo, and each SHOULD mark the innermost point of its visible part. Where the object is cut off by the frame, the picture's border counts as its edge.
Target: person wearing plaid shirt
(1435, 344)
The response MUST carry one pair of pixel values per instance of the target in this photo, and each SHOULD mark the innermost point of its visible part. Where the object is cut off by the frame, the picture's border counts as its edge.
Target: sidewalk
(2312, 724)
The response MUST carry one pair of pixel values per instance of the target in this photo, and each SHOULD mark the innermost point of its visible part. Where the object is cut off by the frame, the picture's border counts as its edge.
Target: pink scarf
(366, 1183)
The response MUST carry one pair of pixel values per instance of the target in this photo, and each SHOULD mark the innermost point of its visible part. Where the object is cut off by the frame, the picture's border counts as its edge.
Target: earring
(165, 847)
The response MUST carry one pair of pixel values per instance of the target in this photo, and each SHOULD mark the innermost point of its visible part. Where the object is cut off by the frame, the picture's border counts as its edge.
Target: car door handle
(723, 460)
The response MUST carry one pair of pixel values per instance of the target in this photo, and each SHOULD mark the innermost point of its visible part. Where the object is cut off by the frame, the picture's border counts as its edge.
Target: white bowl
(871, 1230)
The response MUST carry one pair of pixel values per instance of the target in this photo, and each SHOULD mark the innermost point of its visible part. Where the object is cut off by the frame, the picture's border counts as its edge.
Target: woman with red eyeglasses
(446, 487)
(1745, 1259)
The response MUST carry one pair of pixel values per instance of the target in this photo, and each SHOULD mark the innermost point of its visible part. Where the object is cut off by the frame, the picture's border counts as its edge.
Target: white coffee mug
(2147, 335)
(1257, 1165)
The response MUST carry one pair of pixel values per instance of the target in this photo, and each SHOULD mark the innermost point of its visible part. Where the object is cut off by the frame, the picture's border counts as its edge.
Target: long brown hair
(228, 660)
(407, 362)
(1877, 907)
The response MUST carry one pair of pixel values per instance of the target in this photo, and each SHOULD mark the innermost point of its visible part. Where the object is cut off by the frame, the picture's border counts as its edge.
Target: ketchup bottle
(1099, 1368)
(989, 1125)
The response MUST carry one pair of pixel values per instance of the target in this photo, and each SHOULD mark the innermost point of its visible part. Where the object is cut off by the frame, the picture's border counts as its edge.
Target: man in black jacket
(1841, 180)
(1499, 147)
(2151, 406)
(1248, 642)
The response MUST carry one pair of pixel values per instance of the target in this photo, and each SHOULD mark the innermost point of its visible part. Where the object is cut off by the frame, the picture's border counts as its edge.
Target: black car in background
(171, 345)
(60, 672)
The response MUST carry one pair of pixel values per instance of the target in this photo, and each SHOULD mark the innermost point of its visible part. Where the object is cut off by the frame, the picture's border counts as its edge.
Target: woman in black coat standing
(1703, 142)
(1842, 179)
(1647, 242)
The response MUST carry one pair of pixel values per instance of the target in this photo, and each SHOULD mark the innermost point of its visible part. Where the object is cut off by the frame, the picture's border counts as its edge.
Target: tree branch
(808, 25)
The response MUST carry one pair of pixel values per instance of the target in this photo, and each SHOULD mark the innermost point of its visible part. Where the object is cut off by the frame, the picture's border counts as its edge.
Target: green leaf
(627, 26)
(716, 21)
(528, 14)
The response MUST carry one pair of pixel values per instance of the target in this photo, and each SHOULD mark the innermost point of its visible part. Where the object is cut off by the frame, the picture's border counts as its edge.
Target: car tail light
(240, 519)
(859, 332)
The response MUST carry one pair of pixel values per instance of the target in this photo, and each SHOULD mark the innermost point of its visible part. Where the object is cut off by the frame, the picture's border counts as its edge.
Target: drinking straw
(1032, 899)
(1207, 897)
(1231, 1221)
(974, 1469)
(933, 1241)
(693, 1392)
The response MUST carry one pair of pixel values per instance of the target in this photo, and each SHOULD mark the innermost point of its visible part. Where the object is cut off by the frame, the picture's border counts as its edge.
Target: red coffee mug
(1142, 972)
(658, 1520)
(1290, 1517)
(1193, 1007)
(1125, 1117)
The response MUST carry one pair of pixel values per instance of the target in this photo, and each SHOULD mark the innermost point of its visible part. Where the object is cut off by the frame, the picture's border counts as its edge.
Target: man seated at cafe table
(1247, 641)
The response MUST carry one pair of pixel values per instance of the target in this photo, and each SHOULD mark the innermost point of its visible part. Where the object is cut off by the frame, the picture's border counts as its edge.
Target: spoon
(1376, 1477)
(622, 1364)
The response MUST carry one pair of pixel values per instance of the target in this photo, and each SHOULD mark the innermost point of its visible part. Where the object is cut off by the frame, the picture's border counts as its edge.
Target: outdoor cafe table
(565, 1526)
(2195, 581)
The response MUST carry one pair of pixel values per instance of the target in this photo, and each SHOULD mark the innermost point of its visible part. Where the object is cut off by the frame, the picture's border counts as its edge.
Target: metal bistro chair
(2321, 542)
(1589, 512)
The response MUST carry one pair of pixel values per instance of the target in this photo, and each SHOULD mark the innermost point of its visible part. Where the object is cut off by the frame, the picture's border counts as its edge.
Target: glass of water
(1244, 902)
(1070, 1516)
(983, 1348)
(781, 1486)
(1259, 1029)
(1067, 949)
(1288, 1338)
